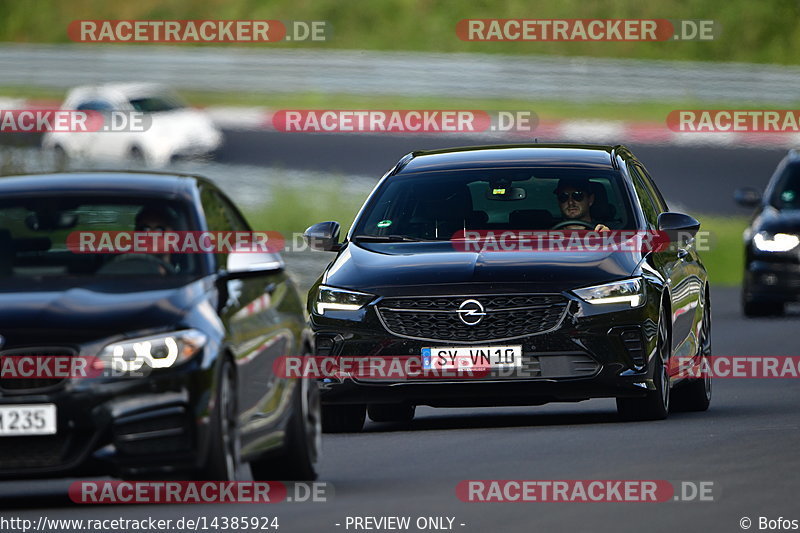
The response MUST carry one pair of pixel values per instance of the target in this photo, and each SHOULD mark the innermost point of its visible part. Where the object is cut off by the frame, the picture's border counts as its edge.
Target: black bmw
(189, 339)
(569, 325)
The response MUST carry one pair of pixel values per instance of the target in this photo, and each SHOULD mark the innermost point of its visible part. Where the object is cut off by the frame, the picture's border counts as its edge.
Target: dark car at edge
(772, 241)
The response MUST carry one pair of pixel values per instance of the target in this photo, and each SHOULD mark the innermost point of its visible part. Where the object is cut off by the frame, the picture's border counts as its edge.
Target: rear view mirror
(506, 193)
(323, 237)
(747, 197)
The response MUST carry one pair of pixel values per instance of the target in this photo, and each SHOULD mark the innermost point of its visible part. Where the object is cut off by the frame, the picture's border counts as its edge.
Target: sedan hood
(64, 310)
(379, 266)
(774, 221)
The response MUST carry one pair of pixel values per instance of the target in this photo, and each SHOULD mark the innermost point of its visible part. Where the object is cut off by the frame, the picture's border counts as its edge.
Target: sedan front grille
(34, 383)
(506, 316)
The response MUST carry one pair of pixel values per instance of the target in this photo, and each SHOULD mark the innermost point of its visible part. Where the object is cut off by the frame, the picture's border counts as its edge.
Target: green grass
(724, 260)
(764, 32)
(644, 111)
(292, 209)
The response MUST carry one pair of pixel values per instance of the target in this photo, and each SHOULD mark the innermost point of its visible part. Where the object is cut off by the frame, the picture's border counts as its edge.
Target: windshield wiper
(386, 238)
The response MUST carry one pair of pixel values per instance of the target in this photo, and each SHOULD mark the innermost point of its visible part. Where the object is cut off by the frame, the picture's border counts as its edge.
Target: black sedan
(179, 346)
(549, 324)
(772, 242)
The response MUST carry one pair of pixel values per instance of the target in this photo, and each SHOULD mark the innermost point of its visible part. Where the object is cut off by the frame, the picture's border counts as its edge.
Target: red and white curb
(585, 131)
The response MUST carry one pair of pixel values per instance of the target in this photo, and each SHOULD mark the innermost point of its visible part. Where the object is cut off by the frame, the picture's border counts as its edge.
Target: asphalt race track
(746, 444)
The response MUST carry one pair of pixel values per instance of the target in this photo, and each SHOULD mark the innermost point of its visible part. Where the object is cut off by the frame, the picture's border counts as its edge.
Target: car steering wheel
(587, 225)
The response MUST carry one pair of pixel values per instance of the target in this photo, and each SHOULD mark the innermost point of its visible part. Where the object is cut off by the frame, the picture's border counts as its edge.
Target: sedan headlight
(157, 351)
(329, 298)
(780, 242)
(625, 291)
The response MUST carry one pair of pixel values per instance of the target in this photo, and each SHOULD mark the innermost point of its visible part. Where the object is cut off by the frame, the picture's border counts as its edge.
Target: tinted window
(156, 104)
(94, 105)
(787, 190)
(34, 236)
(649, 205)
(434, 205)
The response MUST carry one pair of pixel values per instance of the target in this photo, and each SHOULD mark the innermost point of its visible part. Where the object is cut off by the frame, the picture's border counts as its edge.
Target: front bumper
(122, 427)
(772, 281)
(595, 351)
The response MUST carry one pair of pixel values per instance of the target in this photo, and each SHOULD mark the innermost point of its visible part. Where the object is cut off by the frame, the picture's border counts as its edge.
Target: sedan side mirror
(323, 237)
(747, 197)
(679, 227)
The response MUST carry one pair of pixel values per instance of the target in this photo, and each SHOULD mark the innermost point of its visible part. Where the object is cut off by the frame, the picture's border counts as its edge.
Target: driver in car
(151, 218)
(575, 200)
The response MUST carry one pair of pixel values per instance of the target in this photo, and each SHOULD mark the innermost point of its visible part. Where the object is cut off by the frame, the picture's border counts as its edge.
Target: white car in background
(174, 129)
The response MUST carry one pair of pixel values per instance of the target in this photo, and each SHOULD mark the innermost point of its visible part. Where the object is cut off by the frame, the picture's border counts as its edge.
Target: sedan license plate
(33, 419)
(471, 357)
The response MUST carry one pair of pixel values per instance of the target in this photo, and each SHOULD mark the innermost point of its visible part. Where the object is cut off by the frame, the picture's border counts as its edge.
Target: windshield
(158, 103)
(34, 234)
(787, 190)
(436, 205)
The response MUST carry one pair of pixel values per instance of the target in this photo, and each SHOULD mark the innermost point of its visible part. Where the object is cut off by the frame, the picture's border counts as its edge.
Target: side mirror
(323, 237)
(679, 227)
(747, 197)
(244, 264)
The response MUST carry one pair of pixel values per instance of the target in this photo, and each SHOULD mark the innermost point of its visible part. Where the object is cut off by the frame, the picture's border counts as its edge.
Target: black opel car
(570, 325)
(772, 254)
(190, 338)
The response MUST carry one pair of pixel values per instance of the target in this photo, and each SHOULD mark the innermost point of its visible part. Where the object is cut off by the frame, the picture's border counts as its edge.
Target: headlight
(158, 351)
(780, 242)
(625, 291)
(332, 299)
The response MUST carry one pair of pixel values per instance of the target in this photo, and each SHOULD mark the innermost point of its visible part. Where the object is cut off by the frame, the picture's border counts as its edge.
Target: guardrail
(264, 70)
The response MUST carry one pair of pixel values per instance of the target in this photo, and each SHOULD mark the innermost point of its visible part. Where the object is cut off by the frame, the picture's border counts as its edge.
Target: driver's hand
(601, 227)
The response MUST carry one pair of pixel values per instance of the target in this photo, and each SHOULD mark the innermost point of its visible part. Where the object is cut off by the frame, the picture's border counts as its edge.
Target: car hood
(774, 221)
(74, 311)
(382, 267)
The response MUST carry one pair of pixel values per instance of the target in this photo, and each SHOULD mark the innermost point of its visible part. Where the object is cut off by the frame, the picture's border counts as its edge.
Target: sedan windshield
(436, 205)
(37, 237)
(787, 191)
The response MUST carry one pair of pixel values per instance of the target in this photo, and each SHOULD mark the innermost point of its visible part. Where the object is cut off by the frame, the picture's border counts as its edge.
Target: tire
(298, 461)
(392, 412)
(224, 447)
(694, 395)
(655, 405)
(343, 418)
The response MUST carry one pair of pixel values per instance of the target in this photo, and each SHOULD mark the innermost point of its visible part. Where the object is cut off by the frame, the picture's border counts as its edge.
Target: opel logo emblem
(471, 312)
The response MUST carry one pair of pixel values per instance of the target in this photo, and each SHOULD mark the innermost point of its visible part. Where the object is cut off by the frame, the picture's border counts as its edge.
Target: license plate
(471, 357)
(34, 419)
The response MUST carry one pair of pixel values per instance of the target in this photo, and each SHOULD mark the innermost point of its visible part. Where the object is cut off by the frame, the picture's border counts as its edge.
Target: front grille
(32, 452)
(35, 383)
(437, 318)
